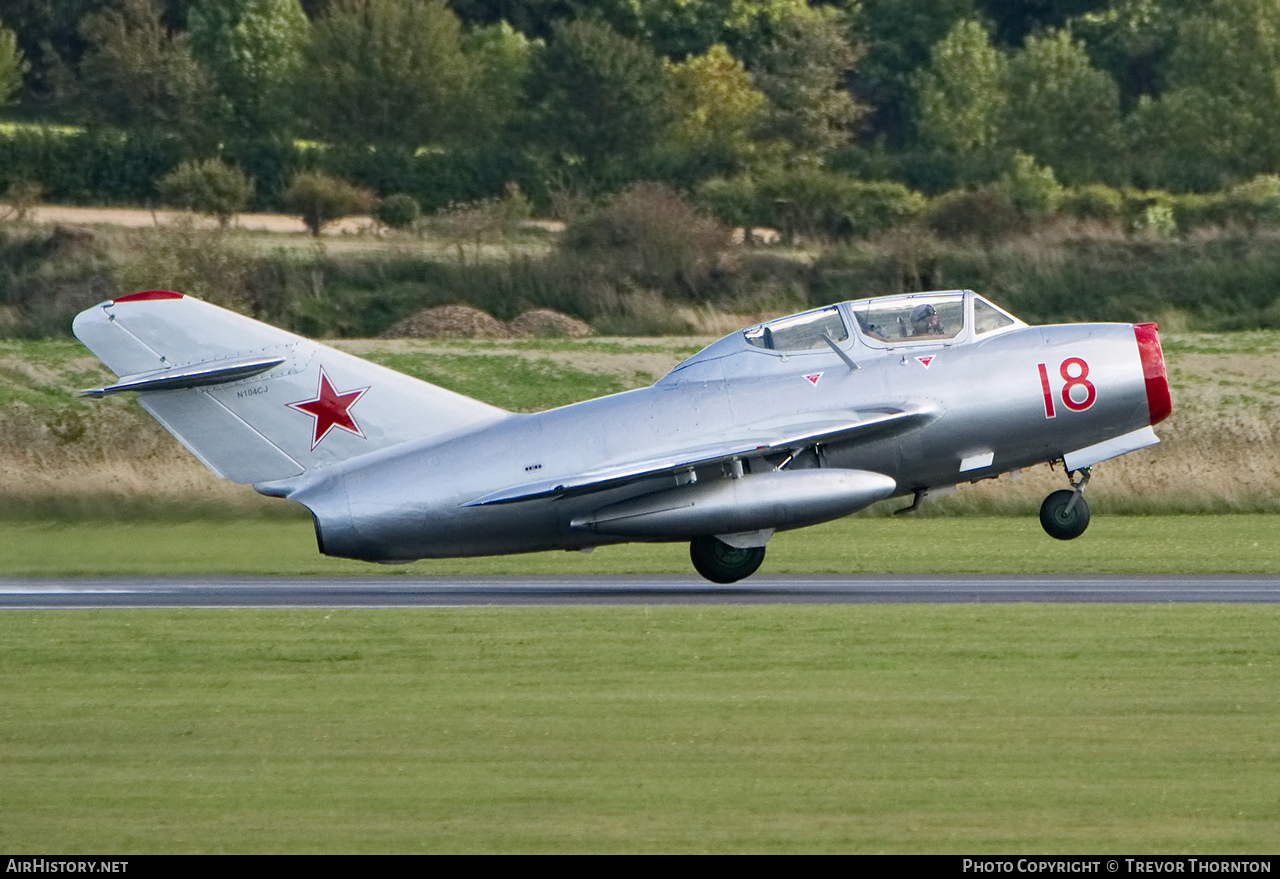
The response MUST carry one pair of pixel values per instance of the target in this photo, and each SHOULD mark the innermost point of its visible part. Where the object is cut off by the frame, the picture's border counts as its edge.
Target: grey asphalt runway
(322, 592)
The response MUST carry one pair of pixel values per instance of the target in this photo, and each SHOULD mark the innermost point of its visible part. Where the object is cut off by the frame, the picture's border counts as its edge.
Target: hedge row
(105, 167)
(110, 168)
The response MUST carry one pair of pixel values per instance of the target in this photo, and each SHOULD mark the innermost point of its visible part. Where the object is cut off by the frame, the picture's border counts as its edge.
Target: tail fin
(255, 403)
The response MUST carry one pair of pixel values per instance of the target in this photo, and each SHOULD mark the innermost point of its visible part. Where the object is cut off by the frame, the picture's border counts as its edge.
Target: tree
(320, 199)
(12, 65)
(208, 187)
(675, 29)
(501, 58)
(898, 35)
(253, 48)
(48, 35)
(718, 110)
(678, 29)
(1131, 40)
(1219, 113)
(1014, 20)
(386, 73)
(138, 76)
(1063, 111)
(800, 66)
(962, 97)
(597, 97)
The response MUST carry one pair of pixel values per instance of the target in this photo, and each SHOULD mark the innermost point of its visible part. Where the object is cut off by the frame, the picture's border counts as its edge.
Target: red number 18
(1079, 380)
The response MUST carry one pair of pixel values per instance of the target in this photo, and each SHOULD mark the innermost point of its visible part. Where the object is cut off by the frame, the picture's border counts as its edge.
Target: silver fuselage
(987, 404)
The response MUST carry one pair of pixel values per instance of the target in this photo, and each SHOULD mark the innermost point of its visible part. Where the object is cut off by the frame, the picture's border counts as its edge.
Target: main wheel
(1057, 521)
(721, 563)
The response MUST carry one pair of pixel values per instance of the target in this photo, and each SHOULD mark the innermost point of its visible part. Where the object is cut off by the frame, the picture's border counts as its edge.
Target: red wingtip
(1159, 403)
(148, 295)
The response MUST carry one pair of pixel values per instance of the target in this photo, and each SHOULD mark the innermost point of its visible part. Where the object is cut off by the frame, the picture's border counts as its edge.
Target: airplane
(787, 423)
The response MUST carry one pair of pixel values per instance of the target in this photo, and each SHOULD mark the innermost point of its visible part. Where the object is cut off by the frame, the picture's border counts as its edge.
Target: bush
(1246, 205)
(1194, 210)
(811, 202)
(48, 275)
(436, 178)
(1033, 188)
(22, 196)
(1254, 203)
(650, 236)
(873, 207)
(207, 187)
(1152, 212)
(270, 163)
(733, 200)
(207, 263)
(88, 167)
(987, 214)
(482, 221)
(1095, 201)
(821, 203)
(320, 199)
(397, 211)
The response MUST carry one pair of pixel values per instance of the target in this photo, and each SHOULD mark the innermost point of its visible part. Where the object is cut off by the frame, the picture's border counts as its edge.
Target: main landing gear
(721, 563)
(1065, 514)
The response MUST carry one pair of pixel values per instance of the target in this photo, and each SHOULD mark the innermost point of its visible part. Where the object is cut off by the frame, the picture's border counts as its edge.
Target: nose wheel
(721, 563)
(1064, 514)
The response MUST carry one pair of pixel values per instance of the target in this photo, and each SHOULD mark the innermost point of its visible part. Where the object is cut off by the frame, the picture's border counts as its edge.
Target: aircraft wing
(827, 427)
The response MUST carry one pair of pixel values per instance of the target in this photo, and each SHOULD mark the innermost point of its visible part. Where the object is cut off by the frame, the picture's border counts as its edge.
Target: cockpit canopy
(892, 320)
(947, 317)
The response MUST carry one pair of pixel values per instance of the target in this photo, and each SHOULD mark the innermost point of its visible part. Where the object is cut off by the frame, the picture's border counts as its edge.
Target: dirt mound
(449, 322)
(544, 323)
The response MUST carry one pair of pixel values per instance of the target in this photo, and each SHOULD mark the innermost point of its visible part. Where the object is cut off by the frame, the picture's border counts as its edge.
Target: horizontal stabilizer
(198, 375)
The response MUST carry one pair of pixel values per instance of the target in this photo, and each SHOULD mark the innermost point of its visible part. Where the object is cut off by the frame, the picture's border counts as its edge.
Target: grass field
(963, 728)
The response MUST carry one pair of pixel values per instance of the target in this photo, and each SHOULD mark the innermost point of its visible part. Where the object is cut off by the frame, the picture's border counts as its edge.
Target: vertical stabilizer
(255, 403)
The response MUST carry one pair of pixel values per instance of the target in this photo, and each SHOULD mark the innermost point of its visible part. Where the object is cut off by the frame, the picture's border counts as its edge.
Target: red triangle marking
(812, 378)
(926, 360)
(330, 409)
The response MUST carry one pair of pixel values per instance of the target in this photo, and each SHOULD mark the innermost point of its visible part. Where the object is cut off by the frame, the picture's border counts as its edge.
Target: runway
(328, 592)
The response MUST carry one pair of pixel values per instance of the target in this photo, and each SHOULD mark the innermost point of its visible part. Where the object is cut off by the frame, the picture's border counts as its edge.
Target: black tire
(1057, 522)
(721, 563)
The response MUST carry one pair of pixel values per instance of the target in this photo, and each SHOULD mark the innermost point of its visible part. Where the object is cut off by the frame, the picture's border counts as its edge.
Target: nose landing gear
(1064, 514)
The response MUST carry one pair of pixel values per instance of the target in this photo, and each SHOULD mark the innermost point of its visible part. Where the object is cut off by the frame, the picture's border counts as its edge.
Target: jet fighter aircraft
(787, 423)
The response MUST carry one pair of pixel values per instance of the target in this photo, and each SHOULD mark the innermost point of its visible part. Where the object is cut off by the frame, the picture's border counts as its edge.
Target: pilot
(924, 321)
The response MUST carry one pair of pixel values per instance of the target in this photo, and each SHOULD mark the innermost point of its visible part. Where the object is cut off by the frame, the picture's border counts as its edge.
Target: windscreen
(986, 317)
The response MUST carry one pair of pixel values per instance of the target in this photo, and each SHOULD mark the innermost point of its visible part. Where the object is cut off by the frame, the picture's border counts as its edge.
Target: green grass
(1131, 544)
(961, 728)
(1244, 342)
(511, 382)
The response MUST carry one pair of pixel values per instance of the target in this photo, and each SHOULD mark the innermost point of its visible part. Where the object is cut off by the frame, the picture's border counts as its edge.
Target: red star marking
(925, 361)
(812, 378)
(330, 409)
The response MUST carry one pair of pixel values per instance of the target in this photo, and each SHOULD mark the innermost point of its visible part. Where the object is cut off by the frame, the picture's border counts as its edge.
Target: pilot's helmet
(922, 318)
